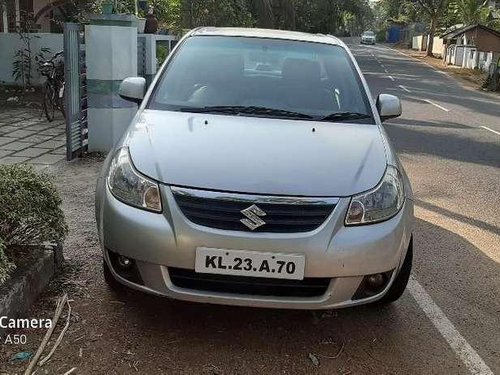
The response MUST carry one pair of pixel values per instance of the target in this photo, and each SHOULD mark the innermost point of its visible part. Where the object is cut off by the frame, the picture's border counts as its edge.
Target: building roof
(268, 33)
(456, 33)
(451, 29)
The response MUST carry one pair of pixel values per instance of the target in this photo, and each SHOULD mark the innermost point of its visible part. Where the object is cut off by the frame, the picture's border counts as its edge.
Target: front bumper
(158, 242)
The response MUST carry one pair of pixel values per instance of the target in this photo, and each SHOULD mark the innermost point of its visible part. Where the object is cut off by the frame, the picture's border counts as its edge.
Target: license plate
(249, 263)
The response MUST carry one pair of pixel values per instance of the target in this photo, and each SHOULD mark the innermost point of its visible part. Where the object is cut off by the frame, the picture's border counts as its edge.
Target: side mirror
(132, 89)
(388, 106)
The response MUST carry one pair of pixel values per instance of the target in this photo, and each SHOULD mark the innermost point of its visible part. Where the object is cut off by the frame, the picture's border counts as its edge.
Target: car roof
(268, 33)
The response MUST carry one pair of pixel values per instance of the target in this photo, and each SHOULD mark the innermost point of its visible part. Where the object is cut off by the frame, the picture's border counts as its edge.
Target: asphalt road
(448, 138)
(447, 322)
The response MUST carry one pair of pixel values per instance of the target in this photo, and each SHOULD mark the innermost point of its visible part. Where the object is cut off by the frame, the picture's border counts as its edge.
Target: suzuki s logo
(253, 221)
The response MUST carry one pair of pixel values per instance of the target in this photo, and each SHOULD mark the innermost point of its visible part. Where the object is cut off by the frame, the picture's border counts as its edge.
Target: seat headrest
(301, 70)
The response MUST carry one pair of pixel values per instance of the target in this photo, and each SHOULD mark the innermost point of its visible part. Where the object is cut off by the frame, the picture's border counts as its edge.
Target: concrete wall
(10, 43)
(420, 42)
(438, 47)
(416, 42)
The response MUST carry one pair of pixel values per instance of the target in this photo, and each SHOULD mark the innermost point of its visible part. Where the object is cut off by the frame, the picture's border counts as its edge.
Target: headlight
(379, 204)
(129, 186)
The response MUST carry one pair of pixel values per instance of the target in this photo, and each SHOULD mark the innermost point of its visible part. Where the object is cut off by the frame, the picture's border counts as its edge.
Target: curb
(23, 288)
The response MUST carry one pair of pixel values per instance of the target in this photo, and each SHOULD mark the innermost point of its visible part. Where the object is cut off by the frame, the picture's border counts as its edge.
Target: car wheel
(114, 285)
(399, 285)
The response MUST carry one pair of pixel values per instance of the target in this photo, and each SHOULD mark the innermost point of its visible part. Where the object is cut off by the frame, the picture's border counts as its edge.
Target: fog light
(372, 285)
(125, 267)
(375, 281)
(124, 262)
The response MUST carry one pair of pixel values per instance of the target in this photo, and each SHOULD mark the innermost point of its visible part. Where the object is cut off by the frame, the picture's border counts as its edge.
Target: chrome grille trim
(253, 198)
(225, 211)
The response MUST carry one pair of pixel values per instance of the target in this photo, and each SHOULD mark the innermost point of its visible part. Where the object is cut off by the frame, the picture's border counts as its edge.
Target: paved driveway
(27, 138)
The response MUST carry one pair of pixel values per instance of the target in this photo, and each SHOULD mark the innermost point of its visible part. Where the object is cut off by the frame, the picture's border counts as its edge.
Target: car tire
(113, 284)
(399, 285)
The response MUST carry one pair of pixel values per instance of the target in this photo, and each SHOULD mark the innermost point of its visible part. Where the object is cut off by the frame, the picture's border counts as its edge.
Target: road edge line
(457, 342)
(436, 105)
(491, 130)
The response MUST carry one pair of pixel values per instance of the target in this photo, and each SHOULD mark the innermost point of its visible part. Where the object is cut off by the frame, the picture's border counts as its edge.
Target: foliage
(323, 16)
(216, 13)
(469, 12)
(168, 14)
(161, 54)
(435, 10)
(6, 267)
(22, 64)
(30, 213)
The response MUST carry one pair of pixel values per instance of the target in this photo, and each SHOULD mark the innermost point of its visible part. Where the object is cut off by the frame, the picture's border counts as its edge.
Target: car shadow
(429, 124)
(446, 145)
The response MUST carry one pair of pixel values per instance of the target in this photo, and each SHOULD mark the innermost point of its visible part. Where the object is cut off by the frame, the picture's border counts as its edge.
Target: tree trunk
(432, 31)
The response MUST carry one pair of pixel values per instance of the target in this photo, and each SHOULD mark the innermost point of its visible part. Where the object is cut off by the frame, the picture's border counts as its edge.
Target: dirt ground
(14, 97)
(80, 274)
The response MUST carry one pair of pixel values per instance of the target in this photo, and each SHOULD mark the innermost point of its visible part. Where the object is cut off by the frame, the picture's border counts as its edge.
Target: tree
(215, 13)
(434, 9)
(470, 12)
(317, 16)
(262, 11)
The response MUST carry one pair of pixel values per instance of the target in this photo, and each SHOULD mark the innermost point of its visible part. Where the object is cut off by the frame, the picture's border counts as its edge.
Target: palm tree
(471, 12)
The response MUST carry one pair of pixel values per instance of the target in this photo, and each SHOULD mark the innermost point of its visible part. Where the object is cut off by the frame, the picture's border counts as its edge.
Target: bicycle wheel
(49, 101)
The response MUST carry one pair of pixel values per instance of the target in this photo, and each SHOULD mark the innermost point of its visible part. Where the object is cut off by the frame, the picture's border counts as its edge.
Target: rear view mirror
(388, 106)
(132, 89)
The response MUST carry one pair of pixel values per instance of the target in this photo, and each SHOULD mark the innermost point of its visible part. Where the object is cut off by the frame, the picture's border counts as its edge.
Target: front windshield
(369, 33)
(309, 79)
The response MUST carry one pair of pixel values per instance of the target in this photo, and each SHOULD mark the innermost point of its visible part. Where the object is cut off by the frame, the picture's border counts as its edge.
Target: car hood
(257, 155)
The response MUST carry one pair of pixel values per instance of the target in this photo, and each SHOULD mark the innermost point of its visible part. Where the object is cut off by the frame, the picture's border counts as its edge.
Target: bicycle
(53, 87)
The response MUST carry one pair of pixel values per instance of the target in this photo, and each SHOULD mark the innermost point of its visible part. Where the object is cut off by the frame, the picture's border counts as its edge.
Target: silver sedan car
(257, 172)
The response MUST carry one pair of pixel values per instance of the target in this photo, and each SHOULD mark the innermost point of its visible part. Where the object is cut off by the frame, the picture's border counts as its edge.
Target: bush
(30, 212)
(6, 267)
(380, 36)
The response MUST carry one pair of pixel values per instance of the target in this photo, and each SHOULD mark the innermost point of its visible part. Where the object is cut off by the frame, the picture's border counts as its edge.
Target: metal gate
(75, 98)
(141, 56)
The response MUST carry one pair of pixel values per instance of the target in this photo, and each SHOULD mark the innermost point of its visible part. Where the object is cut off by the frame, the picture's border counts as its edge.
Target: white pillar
(5, 20)
(150, 59)
(18, 15)
(111, 56)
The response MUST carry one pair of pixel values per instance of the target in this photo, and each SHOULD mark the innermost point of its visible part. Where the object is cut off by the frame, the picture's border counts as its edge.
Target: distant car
(257, 172)
(368, 37)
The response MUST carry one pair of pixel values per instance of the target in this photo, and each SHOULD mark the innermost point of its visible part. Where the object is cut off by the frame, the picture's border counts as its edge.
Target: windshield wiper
(343, 116)
(250, 110)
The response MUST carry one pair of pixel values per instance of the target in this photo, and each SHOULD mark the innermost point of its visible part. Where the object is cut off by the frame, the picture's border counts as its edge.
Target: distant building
(474, 46)
(46, 15)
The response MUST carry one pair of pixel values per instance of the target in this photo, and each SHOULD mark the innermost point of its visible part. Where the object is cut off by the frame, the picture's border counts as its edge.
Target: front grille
(283, 216)
(308, 287)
